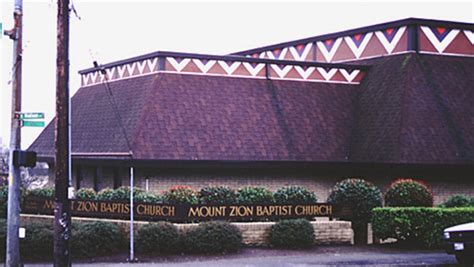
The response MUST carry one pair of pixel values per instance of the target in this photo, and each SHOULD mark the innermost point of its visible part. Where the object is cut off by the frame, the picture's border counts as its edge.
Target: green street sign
(1, 30)
(31, 115)
(32, 123)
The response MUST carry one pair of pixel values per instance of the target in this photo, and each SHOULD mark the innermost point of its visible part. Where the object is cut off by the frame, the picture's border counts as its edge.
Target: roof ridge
(404, 114)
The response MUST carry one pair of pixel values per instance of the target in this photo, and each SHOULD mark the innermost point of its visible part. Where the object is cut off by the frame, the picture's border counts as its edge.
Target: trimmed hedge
(254, 195)
(213, 237)
(457, 201)
(419, 225)
(96, 239)
(293, 234)
(180, 194)
(41, 192)
(295, 194)
(148, 197)
(158, 238)
(86, 194)
(3, 201)
(359, 196)
(3, 238)
(406, 192)
(217, 195)
(38, 243)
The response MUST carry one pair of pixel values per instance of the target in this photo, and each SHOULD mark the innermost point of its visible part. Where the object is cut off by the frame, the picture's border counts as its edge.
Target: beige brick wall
(159, 180)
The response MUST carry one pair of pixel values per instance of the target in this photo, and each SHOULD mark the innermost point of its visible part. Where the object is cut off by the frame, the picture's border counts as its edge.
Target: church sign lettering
(180, 213)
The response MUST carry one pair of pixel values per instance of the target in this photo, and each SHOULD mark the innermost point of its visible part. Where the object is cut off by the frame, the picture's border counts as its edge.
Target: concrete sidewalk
(325, 257)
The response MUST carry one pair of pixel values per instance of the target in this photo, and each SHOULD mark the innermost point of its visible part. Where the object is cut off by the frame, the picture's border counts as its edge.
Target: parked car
(459, 240)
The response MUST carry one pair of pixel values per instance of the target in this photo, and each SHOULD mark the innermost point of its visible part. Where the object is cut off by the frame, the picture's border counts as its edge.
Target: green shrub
(359, 196)
(406, 192)
(106, 194)
(217, 195)
(417, 226)
(213, 237)
(47, 192)
(86, 194)
(180, 194)
(158, 238)
(96, 239)
(3, 238)
(294, 234)
(458, 200)
(38, 243)
(254, 195)
(295, 194)
(3, 201)
(123, 193)
(148, 197)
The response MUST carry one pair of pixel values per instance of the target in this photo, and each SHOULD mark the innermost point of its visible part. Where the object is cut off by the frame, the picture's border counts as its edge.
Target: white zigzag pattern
(328, 55)
(327, 74)
(131, 68)
(152, 64)
(296, 56)
(358, 50)
(281, 72)
(254, 71)
(141, 66)
(389, 46)
(110, 72)
(93, 76)
(229, 69)
(178, 66)
(282, 54)
(440, 46)
(121, 70)
(349, 77)
(470, 35)
(204, 67)
(305, 73)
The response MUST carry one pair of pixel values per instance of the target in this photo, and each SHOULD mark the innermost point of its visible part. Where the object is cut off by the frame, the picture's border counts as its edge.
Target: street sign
(31, 115)
(32, 123)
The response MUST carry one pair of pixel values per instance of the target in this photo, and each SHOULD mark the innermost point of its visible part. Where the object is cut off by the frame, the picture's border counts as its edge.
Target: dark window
(78, 177)
(97, 178)
(117, 178)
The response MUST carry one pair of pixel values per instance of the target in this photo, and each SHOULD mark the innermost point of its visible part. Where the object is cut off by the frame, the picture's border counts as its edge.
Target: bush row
(105, 238)
(88, 240)
(418, 226)
(186, 195)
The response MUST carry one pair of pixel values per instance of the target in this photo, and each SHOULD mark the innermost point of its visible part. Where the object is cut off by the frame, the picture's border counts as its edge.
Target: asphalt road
(325, 256)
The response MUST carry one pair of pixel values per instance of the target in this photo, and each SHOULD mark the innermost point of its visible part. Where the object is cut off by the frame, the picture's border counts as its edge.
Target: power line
(113, 103)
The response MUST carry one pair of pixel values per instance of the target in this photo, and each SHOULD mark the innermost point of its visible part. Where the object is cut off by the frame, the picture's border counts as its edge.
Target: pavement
(326, 256)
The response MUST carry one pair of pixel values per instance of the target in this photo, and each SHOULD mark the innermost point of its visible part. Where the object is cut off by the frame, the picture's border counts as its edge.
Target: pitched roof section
(189, 117)
(416, 109)
(95, 125)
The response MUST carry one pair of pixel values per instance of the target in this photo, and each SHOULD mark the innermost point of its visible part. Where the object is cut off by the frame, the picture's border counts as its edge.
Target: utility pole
(62, 209)
(13, 206)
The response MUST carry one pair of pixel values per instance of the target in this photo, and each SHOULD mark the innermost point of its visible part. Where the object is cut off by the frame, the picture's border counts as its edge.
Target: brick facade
(321, 182)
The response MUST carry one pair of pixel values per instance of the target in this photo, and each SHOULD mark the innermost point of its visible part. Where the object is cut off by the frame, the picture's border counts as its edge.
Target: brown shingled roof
(189, 117)
(416, 109)
(409, 109)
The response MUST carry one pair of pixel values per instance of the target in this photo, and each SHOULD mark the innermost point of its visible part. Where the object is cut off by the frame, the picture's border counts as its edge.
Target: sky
(107, 31)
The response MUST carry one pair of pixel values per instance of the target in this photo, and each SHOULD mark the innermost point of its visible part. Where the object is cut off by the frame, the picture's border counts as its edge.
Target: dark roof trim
(216, 163)
(372, 28)
(224, 58)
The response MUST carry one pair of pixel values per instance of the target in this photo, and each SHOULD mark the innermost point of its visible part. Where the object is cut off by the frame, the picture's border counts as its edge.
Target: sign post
(31, 119)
